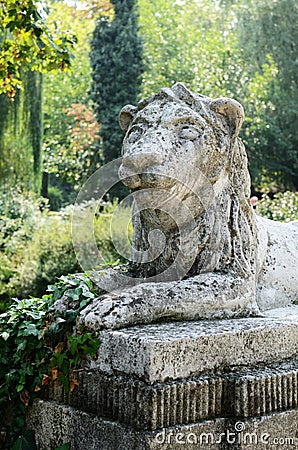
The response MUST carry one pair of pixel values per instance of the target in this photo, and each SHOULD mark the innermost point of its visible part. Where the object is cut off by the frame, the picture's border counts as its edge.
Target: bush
(113, 232)
(19, 213)
(36, 246)
(283, 207)
(55, 197)
(48, 255)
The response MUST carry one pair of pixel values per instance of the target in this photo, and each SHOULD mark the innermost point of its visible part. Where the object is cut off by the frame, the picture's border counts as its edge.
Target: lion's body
(198, 245)
(277, 277)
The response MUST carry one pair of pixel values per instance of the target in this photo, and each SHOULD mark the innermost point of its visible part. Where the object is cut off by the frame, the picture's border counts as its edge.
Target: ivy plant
(38, 345)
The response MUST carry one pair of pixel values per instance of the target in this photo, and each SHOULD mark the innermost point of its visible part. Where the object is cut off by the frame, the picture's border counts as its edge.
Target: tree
(27, 48)
(78, 158)
(66, 158)
(192, 42)
(116, 61)
(21, 134)
(268, 33)
(26, 43)
(242, 49)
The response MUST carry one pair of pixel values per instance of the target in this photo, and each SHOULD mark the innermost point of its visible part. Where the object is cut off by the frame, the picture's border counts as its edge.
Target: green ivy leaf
(26, 442)
(5, 335)
(63, 447)
(84, 302)
(29, 329)
(74, 294)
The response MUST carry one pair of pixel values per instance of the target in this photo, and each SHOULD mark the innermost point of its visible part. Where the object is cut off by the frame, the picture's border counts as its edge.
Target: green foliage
(25, 442)
(283, 207)
(241, 49)
(27, 43)
(47, 255)
(20, 135)
(190, 42)
(268, 34)
(70, 153)
(245, 50)
(19, 213)
(116, 61)
(38, 346)
(36, 246)
(75, 159)
(63, 447)
(258, 108)
(55, 198)
(113, 232)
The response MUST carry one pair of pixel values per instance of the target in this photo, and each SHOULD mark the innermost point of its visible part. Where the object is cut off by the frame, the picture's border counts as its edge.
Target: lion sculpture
(199, 249)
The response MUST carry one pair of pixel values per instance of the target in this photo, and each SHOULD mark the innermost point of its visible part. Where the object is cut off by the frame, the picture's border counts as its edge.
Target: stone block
(176, 350)
(199, 379)
(239, 393)
(58, 424)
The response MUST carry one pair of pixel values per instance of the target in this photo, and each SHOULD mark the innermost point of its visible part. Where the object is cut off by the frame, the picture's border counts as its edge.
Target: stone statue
(199, 249)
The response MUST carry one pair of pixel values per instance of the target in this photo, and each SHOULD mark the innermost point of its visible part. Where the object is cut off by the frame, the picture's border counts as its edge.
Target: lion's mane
(226, 230)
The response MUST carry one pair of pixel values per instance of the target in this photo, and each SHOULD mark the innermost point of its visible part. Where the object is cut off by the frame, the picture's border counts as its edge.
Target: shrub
(48, 255)
(113, 232)
(283, 207)
(19, 213)
(55, 197)
(36, 246)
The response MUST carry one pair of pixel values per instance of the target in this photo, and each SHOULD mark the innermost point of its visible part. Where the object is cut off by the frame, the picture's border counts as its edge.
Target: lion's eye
(189, 133)
(134, 134)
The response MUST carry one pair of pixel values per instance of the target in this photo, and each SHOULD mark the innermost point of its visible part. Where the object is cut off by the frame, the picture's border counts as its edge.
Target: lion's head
(182, 152)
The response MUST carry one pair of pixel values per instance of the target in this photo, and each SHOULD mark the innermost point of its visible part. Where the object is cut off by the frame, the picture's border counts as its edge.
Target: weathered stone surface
(278, 280)
(237, 394)
(179, 350)
(157, 381)
(58, 424)
(199, 251)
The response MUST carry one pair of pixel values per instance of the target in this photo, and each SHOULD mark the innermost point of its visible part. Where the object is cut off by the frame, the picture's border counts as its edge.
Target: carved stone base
(220, 384)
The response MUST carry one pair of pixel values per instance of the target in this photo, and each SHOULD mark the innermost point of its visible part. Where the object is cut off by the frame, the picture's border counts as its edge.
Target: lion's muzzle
(135, 168)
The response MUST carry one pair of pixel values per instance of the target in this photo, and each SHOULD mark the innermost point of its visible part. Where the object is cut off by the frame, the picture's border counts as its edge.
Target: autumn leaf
(73, 384)
(59, 347)
(25, 397)
(46, 379)
(55, 373)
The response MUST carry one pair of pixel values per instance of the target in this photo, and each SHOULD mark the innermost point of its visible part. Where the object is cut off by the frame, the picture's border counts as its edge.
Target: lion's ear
(231, 110)
(126, 115)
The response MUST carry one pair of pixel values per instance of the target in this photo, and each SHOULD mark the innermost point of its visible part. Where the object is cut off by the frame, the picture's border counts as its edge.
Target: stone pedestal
(209, 384)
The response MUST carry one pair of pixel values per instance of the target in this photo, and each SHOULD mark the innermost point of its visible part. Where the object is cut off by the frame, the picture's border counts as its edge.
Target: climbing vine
(38, 346)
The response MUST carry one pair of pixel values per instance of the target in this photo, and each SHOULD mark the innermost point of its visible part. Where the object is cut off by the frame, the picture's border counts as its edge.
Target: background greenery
(36, 244)
(61, 129)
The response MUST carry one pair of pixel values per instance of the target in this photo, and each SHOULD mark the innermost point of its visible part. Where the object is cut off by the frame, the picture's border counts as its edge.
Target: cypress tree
(116, 61)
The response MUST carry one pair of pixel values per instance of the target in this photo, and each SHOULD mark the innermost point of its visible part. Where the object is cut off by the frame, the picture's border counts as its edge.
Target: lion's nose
(141, 161)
